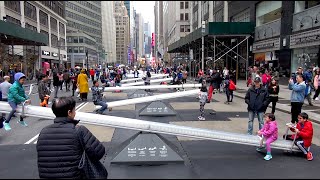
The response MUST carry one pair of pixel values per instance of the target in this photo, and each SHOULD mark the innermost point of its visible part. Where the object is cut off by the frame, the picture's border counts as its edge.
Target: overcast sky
(146, 8)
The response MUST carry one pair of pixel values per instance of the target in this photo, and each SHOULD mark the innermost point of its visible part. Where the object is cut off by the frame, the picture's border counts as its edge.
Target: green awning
(14, 34)
(215, 29)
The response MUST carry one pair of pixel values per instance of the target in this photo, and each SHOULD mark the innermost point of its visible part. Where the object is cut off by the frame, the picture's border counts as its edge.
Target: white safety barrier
(151, 81)
(154, 127)
(139, 79)
(152, 87)
(151, 98)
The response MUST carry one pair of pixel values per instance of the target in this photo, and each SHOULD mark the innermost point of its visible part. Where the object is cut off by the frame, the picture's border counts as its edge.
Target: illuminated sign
(55, 54)
(153, 40)
(46, 53)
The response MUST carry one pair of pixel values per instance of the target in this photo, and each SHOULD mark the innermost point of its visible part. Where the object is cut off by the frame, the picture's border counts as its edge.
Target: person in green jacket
(16, 96)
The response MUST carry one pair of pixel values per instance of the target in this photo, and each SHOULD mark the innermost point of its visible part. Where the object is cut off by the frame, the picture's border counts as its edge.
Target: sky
(146, 8)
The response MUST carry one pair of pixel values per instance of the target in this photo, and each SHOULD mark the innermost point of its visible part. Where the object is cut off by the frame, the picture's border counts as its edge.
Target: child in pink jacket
(269, 132)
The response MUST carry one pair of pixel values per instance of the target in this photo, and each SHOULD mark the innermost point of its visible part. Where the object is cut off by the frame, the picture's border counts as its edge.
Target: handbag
(91, 169)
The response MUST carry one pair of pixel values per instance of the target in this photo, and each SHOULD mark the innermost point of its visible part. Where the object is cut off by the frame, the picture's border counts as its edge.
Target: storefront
(266, 53)
(306, 49)
(52, 58)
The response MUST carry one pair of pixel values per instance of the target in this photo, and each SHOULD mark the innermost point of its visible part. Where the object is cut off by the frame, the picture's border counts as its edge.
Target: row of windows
(89, 5)
(54, 41)
(83, 11)
(61, 28)
(80, 39)
(56, 6)
(184, 28)
(184, 5)
(30, 11)
(83, 19)
(84, 28)
(80, 49)
(184, 17)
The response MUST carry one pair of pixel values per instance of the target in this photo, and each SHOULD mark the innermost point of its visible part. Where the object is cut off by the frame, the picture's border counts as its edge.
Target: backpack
(232, 86)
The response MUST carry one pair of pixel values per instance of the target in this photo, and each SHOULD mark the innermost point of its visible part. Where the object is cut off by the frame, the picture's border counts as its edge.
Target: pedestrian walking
(92, 74)
(229, 87)
(83, 85)
(60, 75)
(61, 145)
(268, 133)
(66, 79)
(56, 84)
(257, 98)
(297, 96)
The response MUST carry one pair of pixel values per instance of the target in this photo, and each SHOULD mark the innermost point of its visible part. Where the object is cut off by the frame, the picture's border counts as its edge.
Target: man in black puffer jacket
(257, 98)
(59, 149)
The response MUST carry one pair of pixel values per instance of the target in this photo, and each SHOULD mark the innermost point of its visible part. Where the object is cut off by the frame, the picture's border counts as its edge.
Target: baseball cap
(257, 79)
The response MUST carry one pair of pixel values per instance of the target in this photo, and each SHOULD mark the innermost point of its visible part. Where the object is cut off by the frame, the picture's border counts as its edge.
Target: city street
(202, 158)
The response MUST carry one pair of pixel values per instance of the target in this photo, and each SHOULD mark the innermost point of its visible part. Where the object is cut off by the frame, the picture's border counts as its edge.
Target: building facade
(45, 17)
(109, 31)
(122, 32)
(85, 16)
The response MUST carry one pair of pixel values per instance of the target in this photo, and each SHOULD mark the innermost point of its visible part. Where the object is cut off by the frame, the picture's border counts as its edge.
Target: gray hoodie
(4, 88)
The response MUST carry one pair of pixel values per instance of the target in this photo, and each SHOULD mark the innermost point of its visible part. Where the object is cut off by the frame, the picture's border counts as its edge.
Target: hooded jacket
(257, 99)
(270, 130)
(306, 133)
(16, 92)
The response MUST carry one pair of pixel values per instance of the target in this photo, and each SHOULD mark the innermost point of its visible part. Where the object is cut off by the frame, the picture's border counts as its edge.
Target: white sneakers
(201, 118)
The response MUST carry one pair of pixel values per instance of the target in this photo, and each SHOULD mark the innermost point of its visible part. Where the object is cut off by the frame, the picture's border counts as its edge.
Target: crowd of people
(263, 90)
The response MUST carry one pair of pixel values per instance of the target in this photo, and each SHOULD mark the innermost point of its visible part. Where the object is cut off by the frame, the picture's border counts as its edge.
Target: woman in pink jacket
(269, 132)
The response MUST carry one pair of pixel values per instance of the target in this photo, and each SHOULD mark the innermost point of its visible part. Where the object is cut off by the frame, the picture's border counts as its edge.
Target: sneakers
(317, 99)
(110, 109)
(227, 102)
(6, 126)
(267, 157)
(23, 123)
(309, 156)
(201, 118)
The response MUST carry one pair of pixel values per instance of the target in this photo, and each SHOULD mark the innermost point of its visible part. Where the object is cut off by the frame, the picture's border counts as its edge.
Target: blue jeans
(103, 105)
(14, 107)
(251, 118)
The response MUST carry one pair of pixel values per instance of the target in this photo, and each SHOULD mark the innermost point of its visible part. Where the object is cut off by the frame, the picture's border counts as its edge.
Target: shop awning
(215, 29)
(12, 34)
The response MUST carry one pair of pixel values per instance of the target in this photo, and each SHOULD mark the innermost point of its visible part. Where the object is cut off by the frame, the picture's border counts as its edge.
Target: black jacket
(273, 93)
(56, 81)
(257, 101)
(59, 149)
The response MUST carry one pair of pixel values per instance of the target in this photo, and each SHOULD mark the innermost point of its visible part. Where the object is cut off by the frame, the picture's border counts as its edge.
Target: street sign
(146, 149)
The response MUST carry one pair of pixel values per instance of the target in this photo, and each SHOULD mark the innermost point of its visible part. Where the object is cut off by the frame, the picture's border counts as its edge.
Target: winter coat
(59, 149)
(56, 81)
(306, 133)
(97, 93)
(43, 89)
(257, 100)
(83, 83)
(273, 93)
(16, 92)
(298, 92)
(270, 130)
(266, 78)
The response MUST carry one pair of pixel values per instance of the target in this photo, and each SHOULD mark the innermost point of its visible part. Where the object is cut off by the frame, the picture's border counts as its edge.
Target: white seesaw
(110, 89)
(151, 98)
(139, 79)
(151, 81)
(154, 127)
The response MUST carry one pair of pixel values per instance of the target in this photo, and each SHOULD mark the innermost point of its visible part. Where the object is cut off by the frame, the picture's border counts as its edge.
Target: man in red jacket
(304, 132)
(92, 72)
